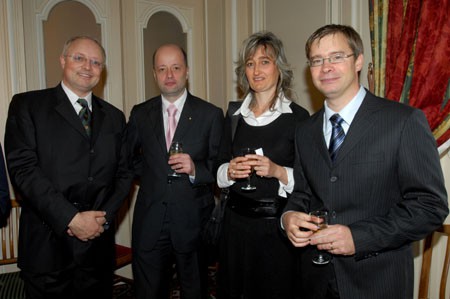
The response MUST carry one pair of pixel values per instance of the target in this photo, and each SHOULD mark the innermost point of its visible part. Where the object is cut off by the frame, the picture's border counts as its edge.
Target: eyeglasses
(335, 58)
(80, 59)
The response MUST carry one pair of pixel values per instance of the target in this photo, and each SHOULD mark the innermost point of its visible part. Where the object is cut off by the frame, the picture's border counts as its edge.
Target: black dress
(256, 260)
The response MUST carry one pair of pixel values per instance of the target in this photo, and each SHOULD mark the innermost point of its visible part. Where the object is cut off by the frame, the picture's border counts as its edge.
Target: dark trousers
(317, 281)
(152, 269)
(74, 282)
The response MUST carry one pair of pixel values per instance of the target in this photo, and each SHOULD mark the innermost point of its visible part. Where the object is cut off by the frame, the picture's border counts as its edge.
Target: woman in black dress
(256, 260)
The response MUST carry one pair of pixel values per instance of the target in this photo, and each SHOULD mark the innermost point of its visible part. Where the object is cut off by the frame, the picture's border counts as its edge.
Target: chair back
(426, 263)
(10, 236)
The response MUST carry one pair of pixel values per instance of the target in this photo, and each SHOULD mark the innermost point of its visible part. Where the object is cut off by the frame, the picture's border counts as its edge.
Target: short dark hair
(274, 48)
(353, 38)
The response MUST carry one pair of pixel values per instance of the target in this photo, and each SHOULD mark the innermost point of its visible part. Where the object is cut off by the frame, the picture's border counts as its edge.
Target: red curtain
(418, 57)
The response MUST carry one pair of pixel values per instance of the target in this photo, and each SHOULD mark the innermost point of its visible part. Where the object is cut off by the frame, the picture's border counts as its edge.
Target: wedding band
(331, 246)
(232, 171)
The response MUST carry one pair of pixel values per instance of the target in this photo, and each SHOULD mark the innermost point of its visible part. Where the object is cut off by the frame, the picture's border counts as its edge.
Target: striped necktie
(337, 135)
(85, 116)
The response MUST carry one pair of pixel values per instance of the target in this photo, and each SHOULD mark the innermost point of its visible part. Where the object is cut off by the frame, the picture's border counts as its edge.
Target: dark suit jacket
(199, 129)
(386, 185)
(53, 164)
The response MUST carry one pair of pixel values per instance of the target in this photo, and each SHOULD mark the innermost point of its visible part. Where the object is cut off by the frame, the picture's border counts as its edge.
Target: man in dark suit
(170, 212)
(72, 175)
(5, 201)
(380, 180)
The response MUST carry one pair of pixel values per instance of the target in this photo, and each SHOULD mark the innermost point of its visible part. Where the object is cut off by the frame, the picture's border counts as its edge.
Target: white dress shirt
(281, 106)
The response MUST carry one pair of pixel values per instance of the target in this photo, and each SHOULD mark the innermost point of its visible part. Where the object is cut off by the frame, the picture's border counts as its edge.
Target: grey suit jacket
(189, 204)
(386, 185)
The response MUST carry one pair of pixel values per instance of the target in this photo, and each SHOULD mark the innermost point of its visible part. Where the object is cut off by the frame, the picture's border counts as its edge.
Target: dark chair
(426, 263)
(123, 258)
(11, 285)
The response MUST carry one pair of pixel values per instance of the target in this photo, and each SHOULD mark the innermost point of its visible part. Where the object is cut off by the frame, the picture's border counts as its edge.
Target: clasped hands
(241, 167)
(87, 225)
(336, 239)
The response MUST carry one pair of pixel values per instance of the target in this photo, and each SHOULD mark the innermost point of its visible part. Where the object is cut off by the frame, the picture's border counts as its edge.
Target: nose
(169, 73)
(326, 66)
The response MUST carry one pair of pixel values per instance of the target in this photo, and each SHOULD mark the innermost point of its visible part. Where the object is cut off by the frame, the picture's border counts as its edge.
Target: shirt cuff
(289, 187)
(222, 176)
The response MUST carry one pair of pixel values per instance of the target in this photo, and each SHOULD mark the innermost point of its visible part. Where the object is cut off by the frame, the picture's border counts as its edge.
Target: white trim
(444, 148)
(144, 11)
(259, 14)
(42, 15)
(234, 47)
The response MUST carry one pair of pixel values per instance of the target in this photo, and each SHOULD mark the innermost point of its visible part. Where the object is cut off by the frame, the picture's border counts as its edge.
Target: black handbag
(213, 228)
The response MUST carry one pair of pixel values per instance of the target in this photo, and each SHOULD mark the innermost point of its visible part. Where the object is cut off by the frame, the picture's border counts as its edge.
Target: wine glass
(320, 219)
(248, 186)
(175, 148)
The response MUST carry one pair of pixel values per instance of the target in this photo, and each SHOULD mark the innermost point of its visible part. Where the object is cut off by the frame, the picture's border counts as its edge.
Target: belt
(256, 208)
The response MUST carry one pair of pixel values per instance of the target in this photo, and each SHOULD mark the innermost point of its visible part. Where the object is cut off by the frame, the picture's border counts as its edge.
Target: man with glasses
(67, 159)
(373, 165)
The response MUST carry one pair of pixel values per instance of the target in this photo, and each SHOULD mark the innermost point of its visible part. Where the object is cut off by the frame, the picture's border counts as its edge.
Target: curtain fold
(417, 57)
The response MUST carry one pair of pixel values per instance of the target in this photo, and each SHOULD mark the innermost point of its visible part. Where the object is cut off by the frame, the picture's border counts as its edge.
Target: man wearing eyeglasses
(373, 165)
(67, 159)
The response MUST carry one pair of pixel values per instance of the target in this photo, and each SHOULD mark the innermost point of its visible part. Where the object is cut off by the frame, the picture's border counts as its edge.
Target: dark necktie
(85, 115)
(337, 135)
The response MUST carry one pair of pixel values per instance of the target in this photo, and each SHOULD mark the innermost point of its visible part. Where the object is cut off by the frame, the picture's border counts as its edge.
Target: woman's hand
(264, 167)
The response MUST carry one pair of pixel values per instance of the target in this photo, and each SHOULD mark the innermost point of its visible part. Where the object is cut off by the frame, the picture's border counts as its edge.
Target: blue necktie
(85, 115)
(337, 135)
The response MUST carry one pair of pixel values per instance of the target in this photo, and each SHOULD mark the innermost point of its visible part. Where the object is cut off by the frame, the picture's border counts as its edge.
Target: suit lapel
(188, 115)
(156, 122)
(363, 121)
(65, 109)
(98, 116)
(317, 136)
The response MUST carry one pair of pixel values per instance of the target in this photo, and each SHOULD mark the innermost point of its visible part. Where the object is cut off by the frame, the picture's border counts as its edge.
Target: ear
(359, 62)
(62, 61)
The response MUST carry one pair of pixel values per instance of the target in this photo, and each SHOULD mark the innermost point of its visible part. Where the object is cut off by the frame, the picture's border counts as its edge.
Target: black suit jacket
(53, 164)
(386, 185)
(199, 129)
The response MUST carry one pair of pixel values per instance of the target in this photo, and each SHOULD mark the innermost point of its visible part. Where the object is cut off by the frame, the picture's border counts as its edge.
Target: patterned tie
(337, 135)
(85, 116)
(171, 111)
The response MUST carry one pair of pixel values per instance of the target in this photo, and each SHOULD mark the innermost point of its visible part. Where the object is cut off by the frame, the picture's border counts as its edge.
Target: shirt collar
(73, 97)
(179, 103)
(349, 111)
(282, 105)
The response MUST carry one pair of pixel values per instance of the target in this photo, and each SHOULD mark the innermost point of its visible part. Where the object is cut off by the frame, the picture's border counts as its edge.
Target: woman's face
(262, 72)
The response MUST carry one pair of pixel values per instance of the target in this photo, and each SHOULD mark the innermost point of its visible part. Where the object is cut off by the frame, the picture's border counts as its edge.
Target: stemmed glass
(248, 186)
(320, 218)
(175, 148)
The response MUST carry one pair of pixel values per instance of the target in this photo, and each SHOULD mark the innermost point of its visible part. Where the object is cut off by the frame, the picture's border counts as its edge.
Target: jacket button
(333, 179)
(90, 179)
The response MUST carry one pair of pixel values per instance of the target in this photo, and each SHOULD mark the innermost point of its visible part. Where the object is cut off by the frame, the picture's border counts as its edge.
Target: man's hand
(182, 163)
(298, 227)
(87, 225)
(336, 239)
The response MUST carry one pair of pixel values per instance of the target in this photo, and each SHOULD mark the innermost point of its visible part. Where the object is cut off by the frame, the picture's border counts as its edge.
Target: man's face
(170, 72)
(80, 74)
(338, 82)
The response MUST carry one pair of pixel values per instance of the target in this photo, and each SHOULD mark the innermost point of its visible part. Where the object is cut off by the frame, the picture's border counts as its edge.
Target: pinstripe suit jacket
(386, 185)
